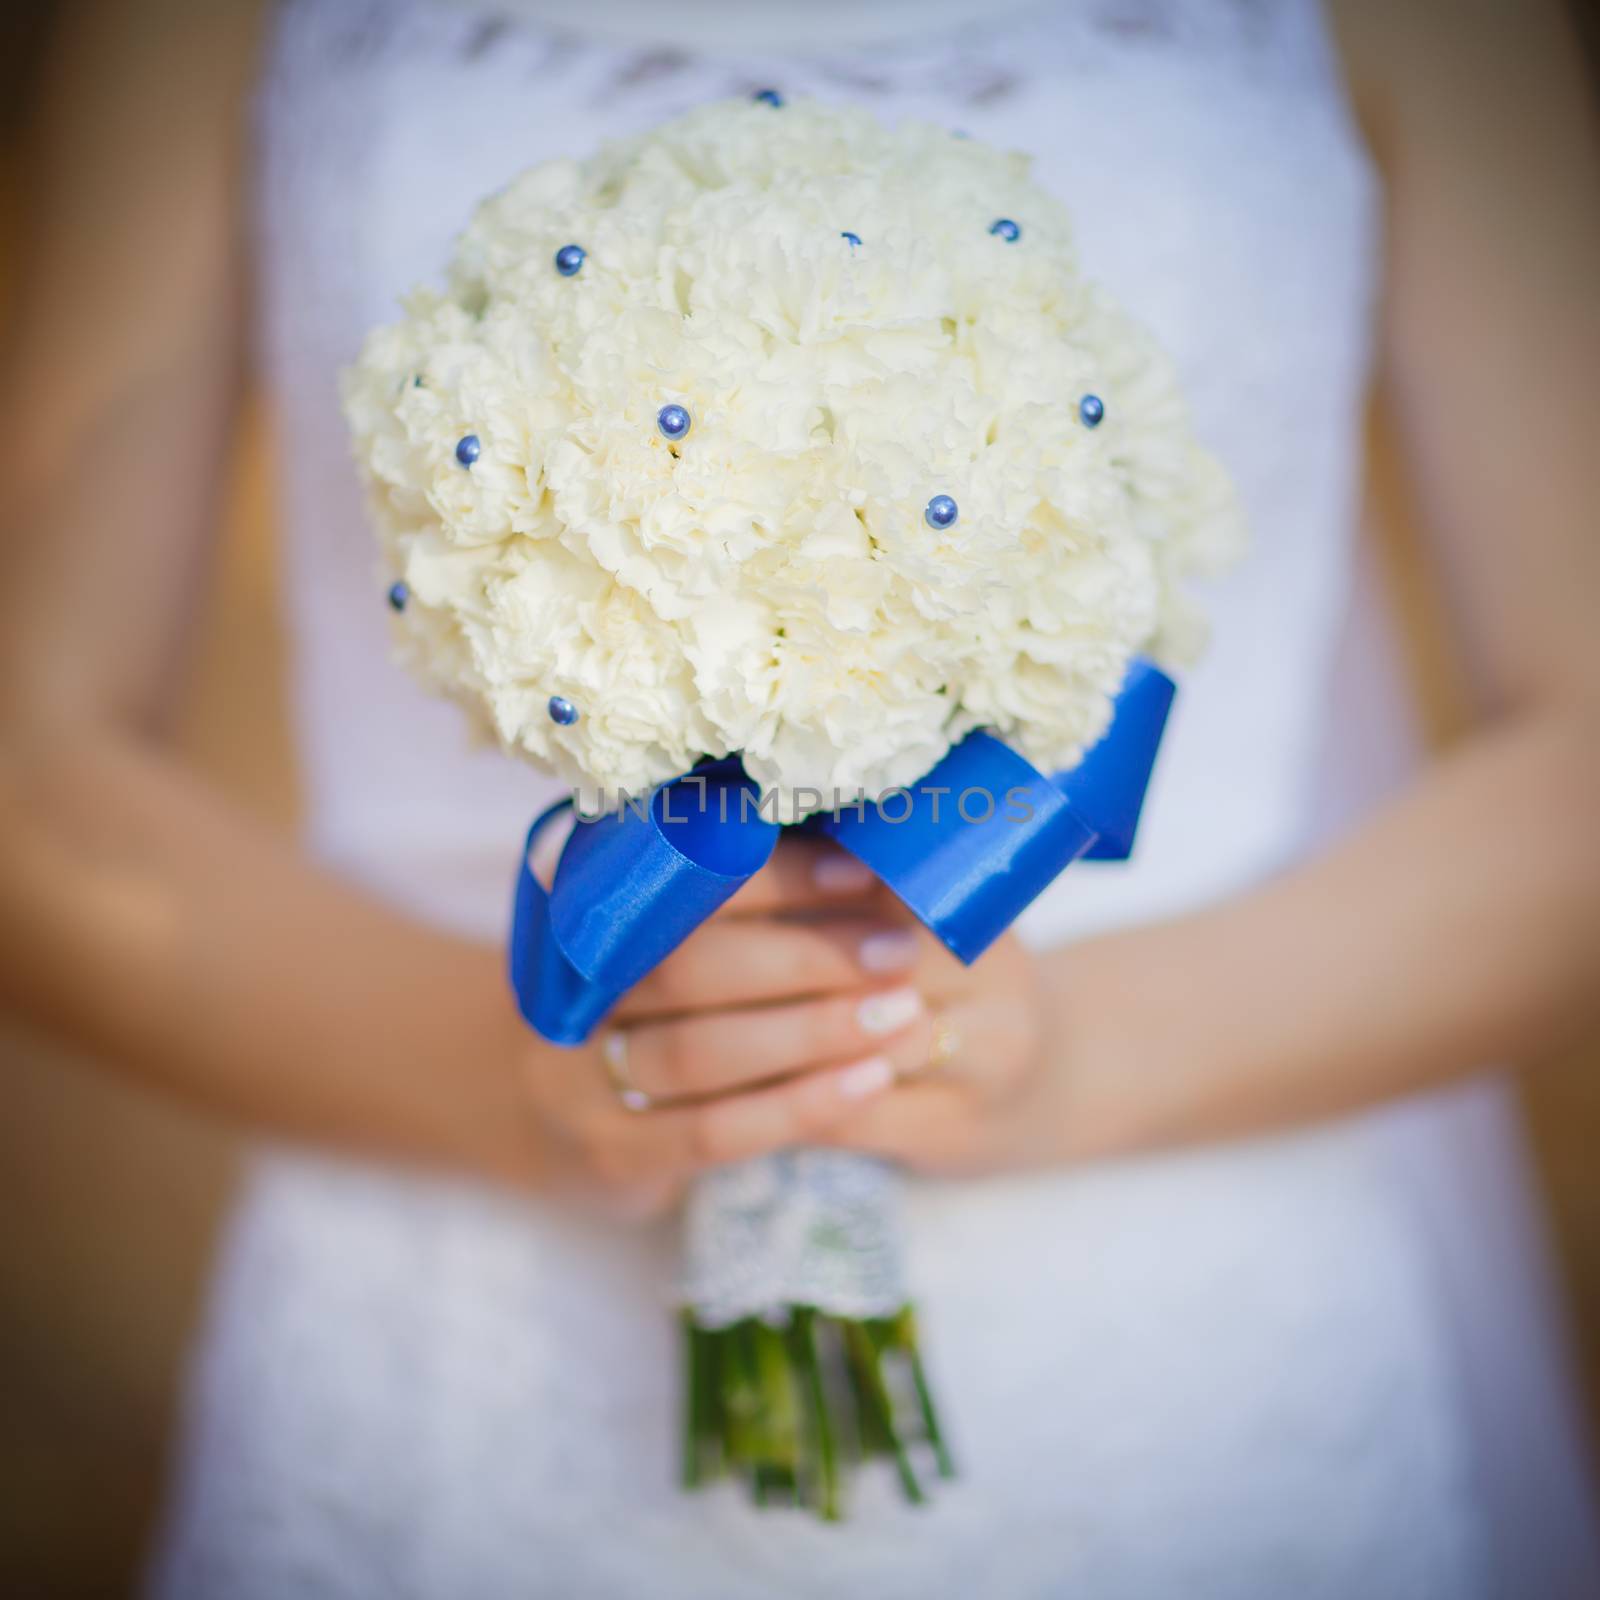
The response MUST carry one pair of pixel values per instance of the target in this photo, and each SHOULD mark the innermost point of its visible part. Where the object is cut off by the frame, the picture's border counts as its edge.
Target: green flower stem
(779, 1415)
(780, 1404)
(906, 1336)
(864, 1357)
(696, 1399)
(824, 1485)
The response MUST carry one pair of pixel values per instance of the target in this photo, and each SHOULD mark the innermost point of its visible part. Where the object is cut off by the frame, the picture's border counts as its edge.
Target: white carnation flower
(769, 583)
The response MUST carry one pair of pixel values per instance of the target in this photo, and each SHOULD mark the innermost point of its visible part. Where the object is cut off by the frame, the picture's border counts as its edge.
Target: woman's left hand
(982, 1096)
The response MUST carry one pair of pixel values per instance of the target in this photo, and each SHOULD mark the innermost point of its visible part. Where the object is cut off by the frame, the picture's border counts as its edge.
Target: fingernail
(884, 1013)
(866, 1077)
(840, 874)
(888, 952)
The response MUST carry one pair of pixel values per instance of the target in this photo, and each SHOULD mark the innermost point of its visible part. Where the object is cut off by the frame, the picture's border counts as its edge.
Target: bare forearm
(1459, 929)
(146, 920)
(139, 914)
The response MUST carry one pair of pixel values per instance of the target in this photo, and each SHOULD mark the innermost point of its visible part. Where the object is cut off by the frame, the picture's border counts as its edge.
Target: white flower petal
(768, 584)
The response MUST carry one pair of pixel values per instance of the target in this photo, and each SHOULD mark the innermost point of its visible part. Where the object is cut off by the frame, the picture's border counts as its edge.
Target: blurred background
(113, 1200)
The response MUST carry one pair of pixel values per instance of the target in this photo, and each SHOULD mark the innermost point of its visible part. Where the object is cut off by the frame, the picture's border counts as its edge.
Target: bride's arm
(1461, 926)
(140, 914)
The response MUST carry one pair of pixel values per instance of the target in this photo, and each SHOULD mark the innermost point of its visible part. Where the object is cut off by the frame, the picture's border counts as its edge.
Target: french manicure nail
(884, 1013)
(888, 952)
(866, 1077)
(840, 874)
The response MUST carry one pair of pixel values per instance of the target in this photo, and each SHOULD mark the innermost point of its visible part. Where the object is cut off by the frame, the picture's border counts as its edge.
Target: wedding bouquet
(777, 468)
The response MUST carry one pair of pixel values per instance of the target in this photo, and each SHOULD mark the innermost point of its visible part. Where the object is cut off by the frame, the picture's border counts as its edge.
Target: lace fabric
(804, 1227)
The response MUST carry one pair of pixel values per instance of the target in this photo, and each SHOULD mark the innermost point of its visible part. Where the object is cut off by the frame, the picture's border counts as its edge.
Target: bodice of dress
(1207, 156)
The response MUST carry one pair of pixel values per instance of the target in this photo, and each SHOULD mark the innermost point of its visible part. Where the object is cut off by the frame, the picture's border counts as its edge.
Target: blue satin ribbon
(966, 849)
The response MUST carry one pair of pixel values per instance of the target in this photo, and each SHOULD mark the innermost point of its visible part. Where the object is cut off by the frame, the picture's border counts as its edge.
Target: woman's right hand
(783, 1013)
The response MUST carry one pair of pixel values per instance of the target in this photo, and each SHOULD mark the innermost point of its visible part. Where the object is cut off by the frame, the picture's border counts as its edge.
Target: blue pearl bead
(851, 239)
(562, 711)
(673, 421)
(942, 512)
(468, 449)
(399, 593)
(1092, 409)
(569, 258)
(1005, 228)
(767, 97)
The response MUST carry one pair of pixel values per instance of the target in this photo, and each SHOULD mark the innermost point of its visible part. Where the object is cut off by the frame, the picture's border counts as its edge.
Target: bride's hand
(986, 1096)
(790, 1010)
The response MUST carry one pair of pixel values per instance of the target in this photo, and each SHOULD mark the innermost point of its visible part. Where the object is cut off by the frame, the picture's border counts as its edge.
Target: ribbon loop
(970, 845)
(629, 889)
(1107, 788)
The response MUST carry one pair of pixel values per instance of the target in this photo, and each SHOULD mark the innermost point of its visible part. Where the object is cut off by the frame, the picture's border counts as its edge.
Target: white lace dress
(1311, 1365)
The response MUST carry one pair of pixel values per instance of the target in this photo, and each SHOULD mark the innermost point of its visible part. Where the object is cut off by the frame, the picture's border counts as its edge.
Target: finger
(740, 963)
(739, 1127)
(804, 874)
(927, 1127)
(987, 1047)
(631, 1202)
(712, 1052)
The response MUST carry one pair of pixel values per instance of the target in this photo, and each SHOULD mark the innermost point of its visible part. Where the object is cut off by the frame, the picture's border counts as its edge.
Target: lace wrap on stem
(819, 1228)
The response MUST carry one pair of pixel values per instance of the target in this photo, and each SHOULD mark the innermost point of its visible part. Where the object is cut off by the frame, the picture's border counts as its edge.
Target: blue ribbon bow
(966, 849)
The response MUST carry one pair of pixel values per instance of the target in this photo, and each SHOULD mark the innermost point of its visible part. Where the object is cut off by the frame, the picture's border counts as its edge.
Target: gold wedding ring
(945, 1046)
(614, 1052)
